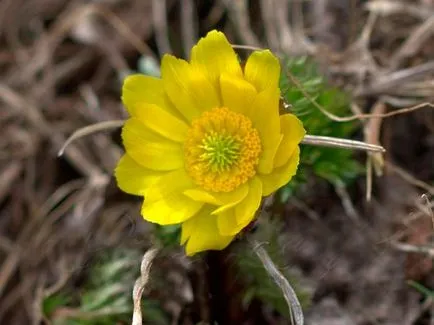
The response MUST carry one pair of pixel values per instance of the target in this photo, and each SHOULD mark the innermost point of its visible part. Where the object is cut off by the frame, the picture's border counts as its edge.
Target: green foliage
(428, 293)
(51, 303)
(105, 297)
(255, 278)
(337, 166)
(167, 236)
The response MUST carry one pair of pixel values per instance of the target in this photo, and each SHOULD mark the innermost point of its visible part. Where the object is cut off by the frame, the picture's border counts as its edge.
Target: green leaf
(169, 235)
(425, 291)
(337, 166)
(105, 297)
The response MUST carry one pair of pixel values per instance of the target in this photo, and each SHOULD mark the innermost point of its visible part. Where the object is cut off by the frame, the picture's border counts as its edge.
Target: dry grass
(61, 66)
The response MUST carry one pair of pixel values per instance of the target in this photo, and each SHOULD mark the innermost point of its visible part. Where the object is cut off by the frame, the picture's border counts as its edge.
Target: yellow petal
(242, 193)
(134, 178)
(233, 220)
(139, 89)
(201, 233)
(262, 70)
(227, 223)
(164, 202)
(245, 211)
(150, 149)
(162, 122)
(215, 56)
(223, 199)
(201, 195)
(174, 181)
(265, 117)
(187, 87)
(293, 133)
(280, 176)
(172, 209)
(237, 94)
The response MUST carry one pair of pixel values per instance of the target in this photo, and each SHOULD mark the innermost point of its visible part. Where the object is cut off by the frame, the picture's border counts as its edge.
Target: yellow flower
(205, 142)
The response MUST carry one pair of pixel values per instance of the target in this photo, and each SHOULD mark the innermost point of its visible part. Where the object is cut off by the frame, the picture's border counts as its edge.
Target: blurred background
(71, 242)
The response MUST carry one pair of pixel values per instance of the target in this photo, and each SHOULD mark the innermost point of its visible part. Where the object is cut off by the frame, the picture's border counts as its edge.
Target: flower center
(221, 150)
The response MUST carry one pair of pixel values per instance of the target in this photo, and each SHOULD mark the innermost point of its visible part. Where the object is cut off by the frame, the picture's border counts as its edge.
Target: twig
(428, 207)
(399, 101)
(294, 306)
(34, 116)
(353, 22)
(391, 7)
(414, 42)
(358, 116)
(8, 176)
(368, 193)
(270, 25)
(389, 82)
(247, 47)
(410, 178)
(413, 249)
(139, 286)
(302, 206)
(63, 313)
(322, 26)
(286, 33)
(346, 202)
(371, 131)
(6, 244)
(238, 12)
(188, 25)
(87, 130)
(11, 263)
(323, 141)
(215, 14)
(8, 267)
(367, 30)
(355, 116)
(47, 45)
(160, 25)
(301, 44)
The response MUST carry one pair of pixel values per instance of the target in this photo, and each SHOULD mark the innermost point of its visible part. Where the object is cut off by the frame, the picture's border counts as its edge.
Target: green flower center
(220, 151)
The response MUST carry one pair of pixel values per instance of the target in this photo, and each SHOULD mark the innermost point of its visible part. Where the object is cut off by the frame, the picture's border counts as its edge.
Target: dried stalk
(139, 286)
(410, 178)
(358, 116)
(414, 42)
(270, 26)
(159, 13)
(294, 306)
(389, 82)
(347, 204)
(375, 161)
(188, 30)
(87, 130)
(426, 250)
(323, 141)
(34, 116)
(238, 13)
(47, 44)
